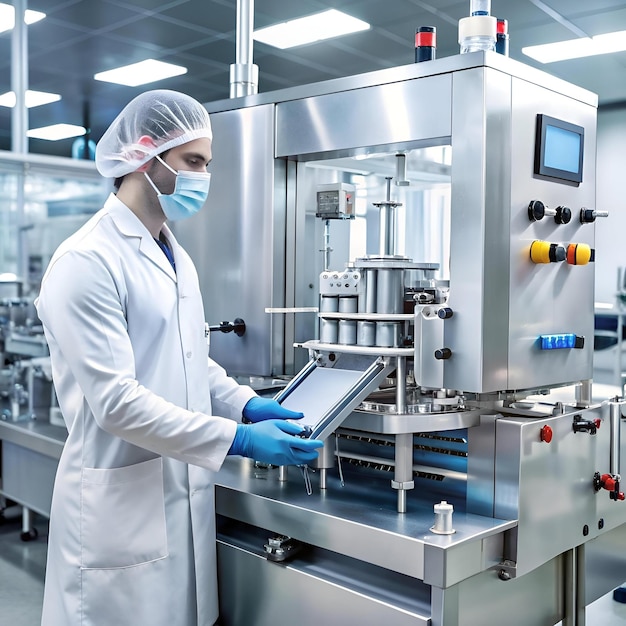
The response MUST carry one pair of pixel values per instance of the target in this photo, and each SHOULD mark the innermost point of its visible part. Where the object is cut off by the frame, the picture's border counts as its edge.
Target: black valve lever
(581, 425)
(238, 326)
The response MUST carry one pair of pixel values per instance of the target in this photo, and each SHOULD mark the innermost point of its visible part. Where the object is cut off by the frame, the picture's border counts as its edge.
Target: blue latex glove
(274, 442)
(259, 409)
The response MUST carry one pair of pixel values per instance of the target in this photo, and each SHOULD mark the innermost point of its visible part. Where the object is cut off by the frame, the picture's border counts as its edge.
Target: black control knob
(563, 215)
(445, 313)
(443, 353)
(537, 210)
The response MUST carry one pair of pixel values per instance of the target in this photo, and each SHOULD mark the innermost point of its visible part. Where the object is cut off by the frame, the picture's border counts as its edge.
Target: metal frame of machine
(535, 485)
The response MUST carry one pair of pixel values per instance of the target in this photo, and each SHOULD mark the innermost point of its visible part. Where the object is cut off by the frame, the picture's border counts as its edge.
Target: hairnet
(167, 118)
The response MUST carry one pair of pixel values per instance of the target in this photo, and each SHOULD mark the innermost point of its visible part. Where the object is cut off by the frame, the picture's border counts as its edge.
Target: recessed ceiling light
(141, 73)
(33, 98)
(7, 17)
(577, 48)
(56, 132)
(324, 25)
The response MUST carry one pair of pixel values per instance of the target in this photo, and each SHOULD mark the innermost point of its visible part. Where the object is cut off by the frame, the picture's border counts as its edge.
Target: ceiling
(81, 37)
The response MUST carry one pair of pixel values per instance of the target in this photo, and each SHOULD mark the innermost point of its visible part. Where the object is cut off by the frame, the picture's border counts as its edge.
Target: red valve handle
(608, 482)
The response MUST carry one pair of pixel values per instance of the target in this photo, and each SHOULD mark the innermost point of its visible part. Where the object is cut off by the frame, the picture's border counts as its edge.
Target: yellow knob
(546, 252)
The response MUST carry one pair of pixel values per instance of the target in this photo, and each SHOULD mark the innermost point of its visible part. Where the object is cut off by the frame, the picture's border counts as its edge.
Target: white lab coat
(132, 527)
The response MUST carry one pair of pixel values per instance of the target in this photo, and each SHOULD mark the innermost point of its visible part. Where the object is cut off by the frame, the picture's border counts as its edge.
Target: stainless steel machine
(455, 299)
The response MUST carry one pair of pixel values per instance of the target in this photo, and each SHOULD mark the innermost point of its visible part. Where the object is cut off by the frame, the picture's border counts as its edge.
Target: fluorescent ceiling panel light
(56, 132)
(33, 98)
(324, 25)
(147, 71)
(7, 17)
(578, 48)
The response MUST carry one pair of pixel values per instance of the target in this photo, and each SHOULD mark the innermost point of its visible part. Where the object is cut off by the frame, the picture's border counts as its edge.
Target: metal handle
(238, 326)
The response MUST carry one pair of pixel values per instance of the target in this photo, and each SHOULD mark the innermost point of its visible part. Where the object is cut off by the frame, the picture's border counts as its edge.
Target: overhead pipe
(19, 79)
(244, 75)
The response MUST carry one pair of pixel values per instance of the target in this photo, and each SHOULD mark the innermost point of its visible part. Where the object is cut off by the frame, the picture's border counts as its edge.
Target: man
(149, 416)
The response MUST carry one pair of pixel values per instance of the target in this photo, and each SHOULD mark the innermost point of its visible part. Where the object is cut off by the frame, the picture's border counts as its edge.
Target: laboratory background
(415, 235)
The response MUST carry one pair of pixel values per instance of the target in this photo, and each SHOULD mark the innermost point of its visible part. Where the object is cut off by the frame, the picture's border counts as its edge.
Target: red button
(546, 434)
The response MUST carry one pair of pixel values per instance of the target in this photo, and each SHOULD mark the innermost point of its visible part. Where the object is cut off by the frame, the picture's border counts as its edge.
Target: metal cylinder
(329, 328)
(347, 332)
(325, 459)
(329, 331)
(583, 393)
(387, 229)
(348, 304)
(371, 286)
(403, 472)
(387, 334)
(390, 291)
(365, 333)
(443, 518)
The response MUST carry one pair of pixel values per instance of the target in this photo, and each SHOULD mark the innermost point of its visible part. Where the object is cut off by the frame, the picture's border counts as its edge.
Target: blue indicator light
(557, 342)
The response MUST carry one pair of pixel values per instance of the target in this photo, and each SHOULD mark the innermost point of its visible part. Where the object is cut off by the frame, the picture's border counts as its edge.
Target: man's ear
(148, 142)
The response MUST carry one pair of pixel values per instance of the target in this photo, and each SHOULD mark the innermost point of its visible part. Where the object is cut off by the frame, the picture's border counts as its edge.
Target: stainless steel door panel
(238, 240)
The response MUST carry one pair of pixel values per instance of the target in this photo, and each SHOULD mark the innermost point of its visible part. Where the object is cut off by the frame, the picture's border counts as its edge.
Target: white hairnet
(150, 124)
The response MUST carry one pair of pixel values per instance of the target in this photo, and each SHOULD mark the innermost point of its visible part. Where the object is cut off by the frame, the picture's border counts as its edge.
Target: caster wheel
(29, 535)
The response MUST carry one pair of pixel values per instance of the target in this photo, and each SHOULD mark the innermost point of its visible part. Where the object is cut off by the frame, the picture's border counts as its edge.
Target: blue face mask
(189, 195)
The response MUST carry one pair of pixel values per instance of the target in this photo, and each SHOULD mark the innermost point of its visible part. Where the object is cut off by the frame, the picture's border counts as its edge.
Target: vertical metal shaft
(615, 414)
(569, 588)
(403, 475)
(327, 248)
(401, 385)
(325, 459)
(19, 79)
(387, 224)
(19, 120)
(244, 75)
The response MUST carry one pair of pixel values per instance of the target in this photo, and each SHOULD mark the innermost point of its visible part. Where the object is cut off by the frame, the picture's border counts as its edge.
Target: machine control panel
(335, 283)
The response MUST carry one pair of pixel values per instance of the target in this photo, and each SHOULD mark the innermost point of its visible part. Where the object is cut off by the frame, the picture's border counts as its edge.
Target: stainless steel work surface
(358, 520)
(38, 436)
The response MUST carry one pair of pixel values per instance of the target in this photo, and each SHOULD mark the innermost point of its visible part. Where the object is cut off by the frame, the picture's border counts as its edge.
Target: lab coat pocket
(123, 515)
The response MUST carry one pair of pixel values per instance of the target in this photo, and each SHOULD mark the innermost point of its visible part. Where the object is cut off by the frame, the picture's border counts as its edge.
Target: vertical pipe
(615, 414)
(569, 588)
(19, 79)
(19, 122)
(327, 248)
(580, 585)
(244, 75)
(388, 223)
(403, 476)
(401, 386)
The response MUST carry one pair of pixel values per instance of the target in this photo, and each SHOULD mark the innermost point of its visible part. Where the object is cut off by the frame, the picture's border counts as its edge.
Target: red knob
(546, 434)
(621, 496)
(608, 482)
(598, 423)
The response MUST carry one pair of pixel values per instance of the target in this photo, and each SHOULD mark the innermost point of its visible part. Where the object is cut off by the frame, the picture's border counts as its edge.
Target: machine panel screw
(600, 524)
(585, 530)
